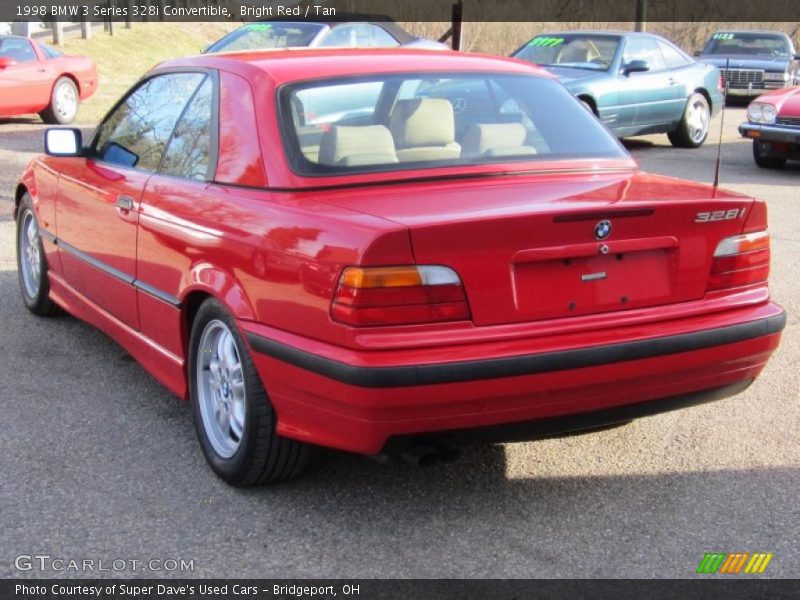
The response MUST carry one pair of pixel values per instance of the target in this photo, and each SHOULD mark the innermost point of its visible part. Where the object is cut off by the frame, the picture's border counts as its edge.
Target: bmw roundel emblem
(602, 230)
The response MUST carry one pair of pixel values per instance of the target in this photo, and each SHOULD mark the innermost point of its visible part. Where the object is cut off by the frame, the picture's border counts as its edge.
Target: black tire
(683, 136)
(766, 162)
(588, 106)
(55, 115)
(37, 300)
(262, 456)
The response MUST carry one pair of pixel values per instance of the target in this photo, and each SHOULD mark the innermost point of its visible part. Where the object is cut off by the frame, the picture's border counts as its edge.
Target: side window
(49, 51)
(189, 151)
(673, 59)
(642, 48)
(137, 132)
(19, 49)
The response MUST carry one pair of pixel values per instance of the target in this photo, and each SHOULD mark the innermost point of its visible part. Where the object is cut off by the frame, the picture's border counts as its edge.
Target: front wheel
(692, 131)
(64, 103)
(766, 162)
(234, 419)
(32, 263)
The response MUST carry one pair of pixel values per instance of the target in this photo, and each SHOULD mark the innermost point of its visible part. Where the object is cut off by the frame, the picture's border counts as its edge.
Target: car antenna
(722, 121)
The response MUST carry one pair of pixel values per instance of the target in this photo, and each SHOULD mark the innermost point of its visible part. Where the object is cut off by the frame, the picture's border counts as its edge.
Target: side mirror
(697, 53)
(63, 142)
(6, 61)
(636, 66)
(797, 56)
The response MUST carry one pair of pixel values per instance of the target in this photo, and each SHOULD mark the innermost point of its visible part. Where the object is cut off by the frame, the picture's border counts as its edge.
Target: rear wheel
(693, 128)
(64, 103)
(588, 106)
(766, 162)
(234, 419)
(32, 263)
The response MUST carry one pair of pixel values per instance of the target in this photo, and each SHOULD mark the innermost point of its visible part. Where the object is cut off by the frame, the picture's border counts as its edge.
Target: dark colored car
(35, 78)
(637, 83)
(356, 33)
(773, 123)
(753, 61)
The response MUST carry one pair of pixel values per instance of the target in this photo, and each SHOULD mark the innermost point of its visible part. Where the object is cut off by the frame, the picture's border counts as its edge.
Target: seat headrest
(483, 137)
(422, 122)
(363, 145)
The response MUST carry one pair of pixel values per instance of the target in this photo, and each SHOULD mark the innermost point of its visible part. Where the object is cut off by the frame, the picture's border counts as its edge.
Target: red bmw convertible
(393, 253)
(35, 78)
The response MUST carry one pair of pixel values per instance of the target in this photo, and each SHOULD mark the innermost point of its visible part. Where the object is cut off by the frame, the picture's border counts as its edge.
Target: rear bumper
(561, 425)
(361, 400)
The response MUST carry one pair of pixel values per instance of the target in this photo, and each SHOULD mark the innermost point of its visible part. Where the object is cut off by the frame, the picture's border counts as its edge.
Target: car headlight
(768, 114)
(759, 112)
(776, 76)
(754, 112)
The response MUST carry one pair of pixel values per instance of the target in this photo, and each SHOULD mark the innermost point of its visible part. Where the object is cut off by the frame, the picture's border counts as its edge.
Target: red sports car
(35, 78)
(773, 123)
(319, 248)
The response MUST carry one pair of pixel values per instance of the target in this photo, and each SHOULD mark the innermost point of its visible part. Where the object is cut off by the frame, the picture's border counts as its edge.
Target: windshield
(261, 36)
(391, 122)
(750, 44)
(577, 51)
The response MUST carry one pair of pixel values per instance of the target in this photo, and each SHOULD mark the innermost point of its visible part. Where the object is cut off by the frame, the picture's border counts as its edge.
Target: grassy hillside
(124, 57)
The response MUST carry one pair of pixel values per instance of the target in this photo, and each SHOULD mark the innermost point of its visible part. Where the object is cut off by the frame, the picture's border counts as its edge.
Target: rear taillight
(405, 295)
(740, 260)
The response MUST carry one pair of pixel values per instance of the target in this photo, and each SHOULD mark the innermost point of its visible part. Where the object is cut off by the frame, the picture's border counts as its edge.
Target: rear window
(412, 121)
(265, 36)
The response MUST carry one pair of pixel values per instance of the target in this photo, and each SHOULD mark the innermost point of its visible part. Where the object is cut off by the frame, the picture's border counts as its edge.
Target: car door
(25, 85)
(178, 216)
(683, 73)
(646, 98)
(99, 195)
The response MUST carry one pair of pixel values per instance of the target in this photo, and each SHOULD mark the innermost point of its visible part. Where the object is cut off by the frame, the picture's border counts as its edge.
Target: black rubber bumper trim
(494, 368)
(585, 422)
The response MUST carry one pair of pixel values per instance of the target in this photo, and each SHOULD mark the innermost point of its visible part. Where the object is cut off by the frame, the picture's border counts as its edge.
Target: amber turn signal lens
(401, 295)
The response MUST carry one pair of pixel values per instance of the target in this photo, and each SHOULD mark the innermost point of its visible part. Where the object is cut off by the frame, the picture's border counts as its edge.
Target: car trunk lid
(542, 247)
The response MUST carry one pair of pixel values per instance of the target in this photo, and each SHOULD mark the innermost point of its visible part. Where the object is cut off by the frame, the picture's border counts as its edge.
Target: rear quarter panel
(269, 257)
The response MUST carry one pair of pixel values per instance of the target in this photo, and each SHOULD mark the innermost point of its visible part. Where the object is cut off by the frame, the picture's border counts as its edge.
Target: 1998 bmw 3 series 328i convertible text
(320, 248)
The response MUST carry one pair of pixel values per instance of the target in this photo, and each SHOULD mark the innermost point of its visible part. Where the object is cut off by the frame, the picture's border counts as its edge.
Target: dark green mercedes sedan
(636, 83)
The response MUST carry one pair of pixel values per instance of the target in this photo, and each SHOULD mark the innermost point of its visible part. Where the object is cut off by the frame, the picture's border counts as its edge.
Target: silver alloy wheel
(220, 388)
(698, 119)
(66, 101)
(30, 257)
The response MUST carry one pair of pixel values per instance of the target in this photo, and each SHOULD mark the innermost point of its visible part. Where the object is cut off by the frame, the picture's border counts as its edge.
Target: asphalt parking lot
(98, 461)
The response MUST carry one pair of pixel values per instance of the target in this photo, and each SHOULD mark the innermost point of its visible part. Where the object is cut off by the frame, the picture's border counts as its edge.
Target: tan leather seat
(357, 146)
(424, 129)
(495, 139)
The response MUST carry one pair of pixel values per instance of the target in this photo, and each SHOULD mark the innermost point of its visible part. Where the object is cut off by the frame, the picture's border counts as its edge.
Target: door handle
(124, 203)
(672, 81)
